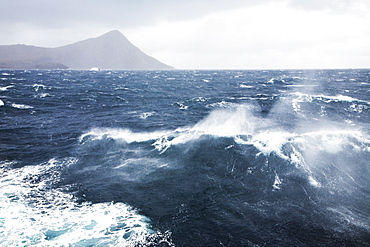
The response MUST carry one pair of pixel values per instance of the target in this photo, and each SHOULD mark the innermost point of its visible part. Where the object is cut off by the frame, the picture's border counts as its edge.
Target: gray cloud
(38, 21)
(58, 13)
(194, 33)
(128, 13)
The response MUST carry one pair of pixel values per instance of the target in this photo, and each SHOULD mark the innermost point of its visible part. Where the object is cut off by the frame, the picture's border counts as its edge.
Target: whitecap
(42, 95)
(340, 97)
(21, 106)
(221, 104)
(245, 86)
(300, 85)
(313, 181)
(145, 115)
(199, 99)
(37, 87)
(1, 102)
(6, 88)
(269, 142)
(181, 105)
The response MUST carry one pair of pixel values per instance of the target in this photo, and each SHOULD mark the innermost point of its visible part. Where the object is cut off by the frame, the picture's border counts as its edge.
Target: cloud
(342, 6)
(204, 33)
(58, 13)
(39, 22)
(274, 35)
(61, 13)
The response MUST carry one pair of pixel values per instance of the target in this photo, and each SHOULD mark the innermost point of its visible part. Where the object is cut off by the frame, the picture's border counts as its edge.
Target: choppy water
(185, 158)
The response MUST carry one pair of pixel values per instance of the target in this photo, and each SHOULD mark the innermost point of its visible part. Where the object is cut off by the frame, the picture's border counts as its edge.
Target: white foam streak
(302, 97)
(125, 135)
(277, 183)
(349, 216)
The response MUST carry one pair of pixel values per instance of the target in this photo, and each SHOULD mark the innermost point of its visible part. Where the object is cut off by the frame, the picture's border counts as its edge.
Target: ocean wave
(35, 213)
(239, 123)
(220, 122)
(301, 147)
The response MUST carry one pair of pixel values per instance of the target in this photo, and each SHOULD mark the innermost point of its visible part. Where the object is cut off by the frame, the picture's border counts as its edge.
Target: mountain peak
(111, 37)
(113, 33)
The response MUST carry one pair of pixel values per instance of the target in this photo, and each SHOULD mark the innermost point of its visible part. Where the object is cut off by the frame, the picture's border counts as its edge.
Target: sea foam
(33, 213)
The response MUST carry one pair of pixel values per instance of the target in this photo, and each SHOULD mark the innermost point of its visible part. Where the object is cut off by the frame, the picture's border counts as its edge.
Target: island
(111, 51)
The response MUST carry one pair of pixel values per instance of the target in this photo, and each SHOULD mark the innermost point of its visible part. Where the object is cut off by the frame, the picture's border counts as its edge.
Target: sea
(185, 158)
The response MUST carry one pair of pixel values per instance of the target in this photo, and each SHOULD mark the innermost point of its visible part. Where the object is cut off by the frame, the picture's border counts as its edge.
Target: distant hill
(109, 51)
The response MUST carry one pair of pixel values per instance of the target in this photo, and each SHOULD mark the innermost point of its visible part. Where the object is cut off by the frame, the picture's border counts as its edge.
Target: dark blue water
(185, 158)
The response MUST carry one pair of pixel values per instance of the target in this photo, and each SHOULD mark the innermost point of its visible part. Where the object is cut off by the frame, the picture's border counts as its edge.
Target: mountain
(109, 51)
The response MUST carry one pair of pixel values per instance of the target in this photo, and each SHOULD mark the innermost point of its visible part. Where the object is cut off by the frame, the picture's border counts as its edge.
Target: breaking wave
(302, 148)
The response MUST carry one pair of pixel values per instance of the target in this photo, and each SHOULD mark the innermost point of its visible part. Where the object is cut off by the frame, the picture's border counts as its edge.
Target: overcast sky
(205, 34)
